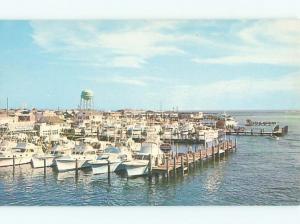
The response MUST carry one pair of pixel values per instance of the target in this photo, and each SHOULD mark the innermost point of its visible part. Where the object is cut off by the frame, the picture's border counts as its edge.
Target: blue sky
(192, 64)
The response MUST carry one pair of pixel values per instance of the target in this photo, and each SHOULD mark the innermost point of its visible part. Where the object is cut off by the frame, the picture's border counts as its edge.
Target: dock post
(228, 149)
(176, 149)
(45, 167)
(14, 164)
(14, 161)
(76, 167)
(187, 161)
(108, 171)
(213, 152)
(235, 141)
(182, 165)
(194, 161)
(201, 161)
(174, 161)
(167, 166)
(150, 165)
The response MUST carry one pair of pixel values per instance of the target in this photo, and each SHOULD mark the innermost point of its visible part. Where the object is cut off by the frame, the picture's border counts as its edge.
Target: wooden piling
(167, 166)
(182, 165)
(187, 163)
(174, 161)
(150, 164)
(14, 161)
(76, 167)
(228, 146)
(108, 171)
(235, 141)
(194, 161)
(177, 150)
(201, 160)
(45, 166)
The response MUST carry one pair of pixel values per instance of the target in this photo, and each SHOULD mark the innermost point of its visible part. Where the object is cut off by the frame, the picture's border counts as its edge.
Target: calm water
(263, 171)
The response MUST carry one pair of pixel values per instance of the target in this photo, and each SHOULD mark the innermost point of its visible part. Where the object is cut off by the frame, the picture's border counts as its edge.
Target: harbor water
(263, 171)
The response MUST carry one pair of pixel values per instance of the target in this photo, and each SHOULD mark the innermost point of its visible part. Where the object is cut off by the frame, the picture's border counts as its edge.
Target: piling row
(181, 162)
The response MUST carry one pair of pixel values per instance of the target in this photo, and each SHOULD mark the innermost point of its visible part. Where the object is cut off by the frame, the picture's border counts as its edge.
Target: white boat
(63, 149)
(22, 153)
(230, 122)
(81, 155)
(112, 155)
(140, 164)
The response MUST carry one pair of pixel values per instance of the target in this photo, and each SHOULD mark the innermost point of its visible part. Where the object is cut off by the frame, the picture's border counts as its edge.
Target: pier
(279, 132)
(180, 162)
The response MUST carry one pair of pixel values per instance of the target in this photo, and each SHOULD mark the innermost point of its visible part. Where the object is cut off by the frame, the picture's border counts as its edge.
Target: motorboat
(22, 153)
(230, 122)
(48, 159)
(80, 158)
(113, 156)
(141, 160)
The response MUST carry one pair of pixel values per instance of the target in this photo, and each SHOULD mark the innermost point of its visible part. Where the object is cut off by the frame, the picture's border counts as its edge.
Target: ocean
(263, 171)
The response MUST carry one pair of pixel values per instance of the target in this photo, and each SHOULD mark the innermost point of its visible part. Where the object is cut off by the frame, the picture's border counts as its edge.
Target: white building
(50, 131)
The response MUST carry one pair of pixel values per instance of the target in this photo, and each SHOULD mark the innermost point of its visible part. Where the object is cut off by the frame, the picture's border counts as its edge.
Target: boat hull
(38, 162)
(134, 170)
(70, 164)
(100, 168)
(8, 161)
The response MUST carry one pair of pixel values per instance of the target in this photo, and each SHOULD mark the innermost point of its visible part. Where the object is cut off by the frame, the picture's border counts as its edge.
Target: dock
(279, 132)
(181, 162)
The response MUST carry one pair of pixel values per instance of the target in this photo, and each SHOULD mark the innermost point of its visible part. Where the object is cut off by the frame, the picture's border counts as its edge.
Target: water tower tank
(86, 99)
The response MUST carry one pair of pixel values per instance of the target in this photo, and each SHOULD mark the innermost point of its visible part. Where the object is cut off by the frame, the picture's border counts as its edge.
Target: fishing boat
(230, 122)
(140, 164)
(113, 156)
(80, 158)
(22, 153)
(48, 159)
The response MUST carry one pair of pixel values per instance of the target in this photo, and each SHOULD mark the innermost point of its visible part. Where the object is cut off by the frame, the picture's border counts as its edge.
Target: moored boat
(57, 151)
(80, 158)
(22, 153)
(140, 164)
(113, 156)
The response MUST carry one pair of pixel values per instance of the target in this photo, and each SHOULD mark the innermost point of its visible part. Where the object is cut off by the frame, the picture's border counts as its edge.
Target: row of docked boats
(132, 158)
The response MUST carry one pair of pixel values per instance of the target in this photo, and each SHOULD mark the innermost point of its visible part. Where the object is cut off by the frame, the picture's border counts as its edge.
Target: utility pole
(7, 106)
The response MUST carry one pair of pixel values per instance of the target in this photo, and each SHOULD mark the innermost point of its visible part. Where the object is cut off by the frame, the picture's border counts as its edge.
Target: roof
(50, 120)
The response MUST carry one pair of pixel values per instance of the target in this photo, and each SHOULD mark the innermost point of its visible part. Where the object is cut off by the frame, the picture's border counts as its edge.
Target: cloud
(130, 44)
(264, 41)
(235, 90)
(141, 80)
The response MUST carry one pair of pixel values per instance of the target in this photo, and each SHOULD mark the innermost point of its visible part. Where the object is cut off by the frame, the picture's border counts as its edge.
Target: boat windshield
(56, 152)
(19, 149)
(112, 150)
(77, 153)
(141, 157)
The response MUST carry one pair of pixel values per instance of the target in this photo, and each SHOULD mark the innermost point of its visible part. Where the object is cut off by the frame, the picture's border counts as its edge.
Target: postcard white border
(154, 9)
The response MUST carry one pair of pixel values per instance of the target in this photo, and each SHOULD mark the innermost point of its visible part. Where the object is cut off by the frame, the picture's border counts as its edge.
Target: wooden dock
(261, 132)
(181, 162)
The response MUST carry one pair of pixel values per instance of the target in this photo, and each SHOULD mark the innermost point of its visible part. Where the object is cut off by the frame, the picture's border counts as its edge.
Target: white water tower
(86, 99)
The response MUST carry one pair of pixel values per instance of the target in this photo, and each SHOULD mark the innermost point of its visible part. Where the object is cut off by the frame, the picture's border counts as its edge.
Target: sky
(151, 64)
